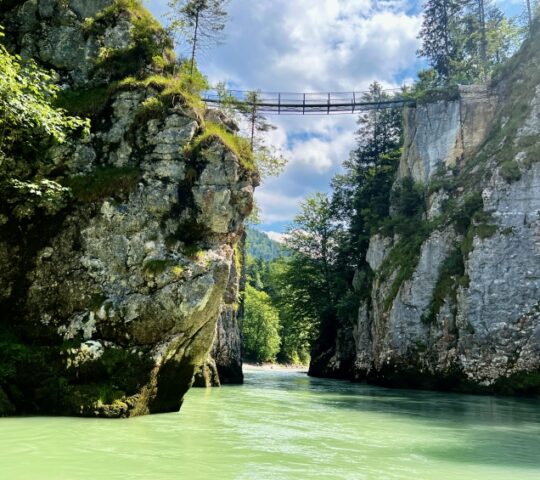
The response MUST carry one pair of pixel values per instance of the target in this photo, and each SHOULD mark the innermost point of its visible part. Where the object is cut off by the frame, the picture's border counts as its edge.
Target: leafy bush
(510, 171)
(26, 95)
(260, 326)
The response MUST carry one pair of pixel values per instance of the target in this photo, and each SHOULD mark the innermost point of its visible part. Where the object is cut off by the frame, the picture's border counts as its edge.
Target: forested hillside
(261, 246)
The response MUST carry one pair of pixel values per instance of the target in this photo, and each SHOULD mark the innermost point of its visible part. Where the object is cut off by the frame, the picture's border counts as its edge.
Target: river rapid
(284, 425)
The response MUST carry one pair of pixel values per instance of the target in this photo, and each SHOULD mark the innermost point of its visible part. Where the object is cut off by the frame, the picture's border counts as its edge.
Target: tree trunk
(242, 286)
(194, 47)
(446, 34)
(483, 41)
(530, 14)
(253, 121)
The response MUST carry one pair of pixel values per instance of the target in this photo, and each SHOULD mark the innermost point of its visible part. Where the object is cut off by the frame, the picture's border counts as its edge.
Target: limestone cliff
(110, 302)
(224, 363)
(455, 302)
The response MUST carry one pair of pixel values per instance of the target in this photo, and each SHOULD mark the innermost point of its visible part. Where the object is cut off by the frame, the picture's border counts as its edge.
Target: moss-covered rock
(110, 299)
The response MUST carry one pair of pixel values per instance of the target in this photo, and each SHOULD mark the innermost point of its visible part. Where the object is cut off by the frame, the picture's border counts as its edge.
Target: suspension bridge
(331, 103)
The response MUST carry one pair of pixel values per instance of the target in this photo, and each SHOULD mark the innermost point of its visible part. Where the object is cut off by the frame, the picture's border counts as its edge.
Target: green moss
(239, 146)
(193, 252)
(183, 89)
(510, 171)
(524, 383)
(151, 44)
(237, 257)
(157, 267)
(151, 108)
(85, 102)
(451, 275)
(104, 182)
(403, 258)
(96, 301)
(447, 93)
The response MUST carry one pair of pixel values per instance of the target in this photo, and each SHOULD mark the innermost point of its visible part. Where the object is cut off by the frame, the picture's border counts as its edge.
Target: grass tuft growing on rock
(151, 46)
(239, 146)
(182, 88)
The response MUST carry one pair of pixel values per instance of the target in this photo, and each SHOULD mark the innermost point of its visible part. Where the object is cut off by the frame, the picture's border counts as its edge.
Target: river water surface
(284, 425)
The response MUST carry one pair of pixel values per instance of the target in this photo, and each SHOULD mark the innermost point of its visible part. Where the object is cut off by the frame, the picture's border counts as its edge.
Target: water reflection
(287, 426)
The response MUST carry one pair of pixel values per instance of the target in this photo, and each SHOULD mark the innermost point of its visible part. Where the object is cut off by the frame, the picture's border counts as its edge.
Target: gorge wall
(455, 301)
(110, 299)
(224, 362)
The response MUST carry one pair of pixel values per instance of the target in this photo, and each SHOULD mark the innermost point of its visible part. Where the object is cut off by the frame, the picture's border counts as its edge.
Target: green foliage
(510, 171)
(260, 246)
(451, 275)
(26, 96)
(464, 42)
(260, 327)
(181, 87)
(361, 197)
(463, 216)
(27, 199)
(104, 182)
(200, 22)
(156, 267)
(151, 44)
(237, 145)
(151, 108)
(88, 102)
(428, 90)
(440, 44)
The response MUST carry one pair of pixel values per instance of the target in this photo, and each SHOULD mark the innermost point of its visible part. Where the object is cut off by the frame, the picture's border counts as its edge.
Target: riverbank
(264, 367)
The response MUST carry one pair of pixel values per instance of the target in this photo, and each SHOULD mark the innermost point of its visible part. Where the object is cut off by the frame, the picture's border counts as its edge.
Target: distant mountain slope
(259, 245)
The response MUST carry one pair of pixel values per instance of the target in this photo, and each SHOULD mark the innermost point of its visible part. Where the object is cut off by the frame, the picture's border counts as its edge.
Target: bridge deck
(310, 103)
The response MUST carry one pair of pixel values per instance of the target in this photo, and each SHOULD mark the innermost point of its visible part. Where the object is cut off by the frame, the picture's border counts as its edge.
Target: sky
(312, 46)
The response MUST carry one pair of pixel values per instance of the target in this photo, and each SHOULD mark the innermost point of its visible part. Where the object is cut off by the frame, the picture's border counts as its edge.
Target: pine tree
(440, 43)
(201, 22)
(488, 37)
(269, 162)
(531, 7)
(361, 194)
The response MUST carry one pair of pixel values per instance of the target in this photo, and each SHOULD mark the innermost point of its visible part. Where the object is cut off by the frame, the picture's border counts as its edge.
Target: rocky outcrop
(454, 304)
(444, 134)
(224, 363)
(112, 298)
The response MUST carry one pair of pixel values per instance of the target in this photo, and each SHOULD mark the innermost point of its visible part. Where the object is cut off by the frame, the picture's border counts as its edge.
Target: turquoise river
(284, 425)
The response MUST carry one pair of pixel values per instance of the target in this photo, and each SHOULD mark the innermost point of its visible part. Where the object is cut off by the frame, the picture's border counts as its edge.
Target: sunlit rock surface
(478, 330)
(115, 299)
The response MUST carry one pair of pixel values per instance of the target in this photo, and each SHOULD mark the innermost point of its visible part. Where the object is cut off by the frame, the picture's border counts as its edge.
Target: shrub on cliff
(28, 124)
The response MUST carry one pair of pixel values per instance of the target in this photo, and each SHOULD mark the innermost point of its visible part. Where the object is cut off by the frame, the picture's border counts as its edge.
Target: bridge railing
(308, 103)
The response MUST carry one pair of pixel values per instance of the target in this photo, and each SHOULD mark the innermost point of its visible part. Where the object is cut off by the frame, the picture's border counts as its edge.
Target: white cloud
(276, 206)
(277, 236)
(307, 45)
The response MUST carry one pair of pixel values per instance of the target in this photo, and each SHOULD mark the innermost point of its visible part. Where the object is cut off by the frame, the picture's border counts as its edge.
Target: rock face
(224, 363)
(443, 134)
(113, 299)
(467, 316)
